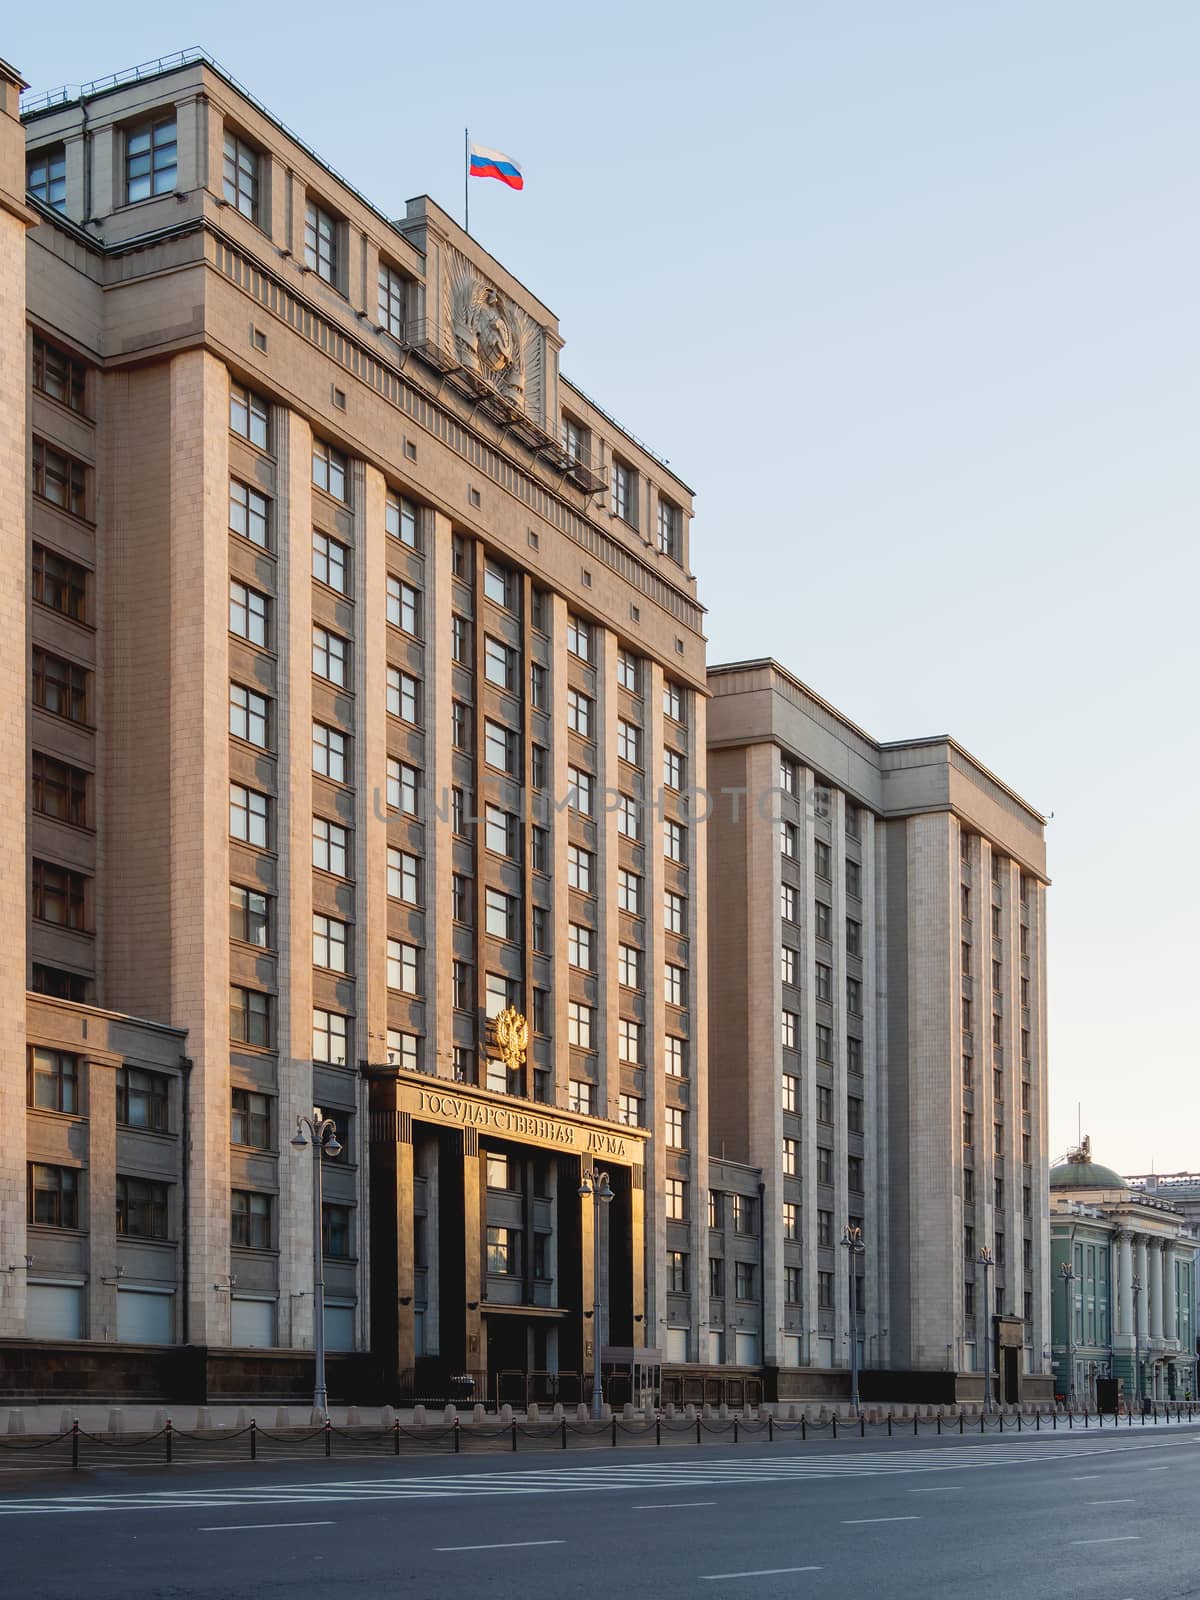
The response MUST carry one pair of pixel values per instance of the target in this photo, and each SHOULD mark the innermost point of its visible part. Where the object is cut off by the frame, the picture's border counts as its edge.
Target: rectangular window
(629, 1042)
(674, 984)
(46, 177)
(854, 1174)
(791, 1220)
(330, 470)
(400, 519)
(791, 1285)
(53, 1200)
(249, 1220)
(579, 713)
(579, 868)
(579, 791)
(853, 937)
(579, 638)
(629, 1110)
(579, 1024)
(501, 832)
(499, 662)
(502, 915)
(791, 1092)
(854, 1114)
(674, 1057)
(672, 700)
(791, 1158)
(744, 1215)
(460, 640)
(629, 817)
(581, 1097)
(249, 916)
(822, 859)
(824, 1103)
(52, 1080)
(460, 981)
(329, 1037)
(629, 891)
(788, 965)
(824, 1042)
(59, 584)
(825, 1291)
(854, 997)
(249, 716)
(59, 790)
(788, 839)
(824, 1164)
(854, 1055)
(670, 520)
(789, 776)
(330, 847)
(59, 479)
(460, 898)
(392, 302)
(249, 815)
(674, 912)
(330, 940)
(624, 492)
(59, 375)
(142, 1099)
(59, 896)
(629, 742)
(677, 1271)
(250, 1016)
(824, 985)
(675, 1191)
(968, 1128)
(60, 687)
(250, 1119)
(825, 1229)
(499, 746)
(336, 1222)
(329, 752)
(403, 696)
(403, 967)
(240, 175)
(674, 841)
(321, 242)
(716, 1273)
(403, 876)
(502, 1251)
(539, 686)
(330, 563)
(744, 1279)
(403, 606)
(150, 160)
(629, 966)
(498, 583)
(579, 946)
(790, 1030)
(249, 514)
(460, 725)
(788, 903)
(249, 416)
(629, 671)
(854, 879)
(248, 613)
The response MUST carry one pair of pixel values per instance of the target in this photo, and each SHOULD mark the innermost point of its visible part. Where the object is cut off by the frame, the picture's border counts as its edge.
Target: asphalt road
(1109, 1517)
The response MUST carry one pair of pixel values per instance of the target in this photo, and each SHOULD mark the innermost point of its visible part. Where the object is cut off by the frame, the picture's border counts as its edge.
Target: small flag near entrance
(485, 163)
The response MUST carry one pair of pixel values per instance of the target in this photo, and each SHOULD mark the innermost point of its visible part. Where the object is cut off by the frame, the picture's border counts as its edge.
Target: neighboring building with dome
(1123, 1285)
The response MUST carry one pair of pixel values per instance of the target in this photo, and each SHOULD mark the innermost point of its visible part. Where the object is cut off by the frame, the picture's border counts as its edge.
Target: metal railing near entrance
(77, 1449)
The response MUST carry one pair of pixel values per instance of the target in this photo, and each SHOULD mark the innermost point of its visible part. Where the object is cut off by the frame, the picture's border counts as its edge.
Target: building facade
(1123, 1278)
(366, 692)
(877, 1044)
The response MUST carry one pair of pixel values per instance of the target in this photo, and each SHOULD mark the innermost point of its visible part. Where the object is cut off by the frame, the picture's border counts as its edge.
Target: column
(1168, 1278)
(1125, 1285)
(1153, 1290)
(474, 1201)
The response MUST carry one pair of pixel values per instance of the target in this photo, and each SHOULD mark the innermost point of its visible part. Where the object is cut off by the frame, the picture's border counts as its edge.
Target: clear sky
(908, 293)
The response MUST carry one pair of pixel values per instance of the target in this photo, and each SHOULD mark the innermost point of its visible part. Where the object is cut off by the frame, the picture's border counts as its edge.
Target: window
(329, 752)
(788, 838)
(59, 790)
(403, 606)
(579, 946)
(579, 1024)
(329, 470)
(52, 1080)
(716, 1268)
(677, 1271)
(249, 918)
(539, 690)
(249, 1220)
(579, 791)
(790, 1030)
(460, 898)
(674, 841)
(59, 479)
(403, 787)
(824, 988)
(460, 640)
(629, 1110)
(787, 903)
(579, 638)
(791, 1285)
(744, 1276)
(854, 997)
(629, 671)
(498, 583)
(629, 966)
(968, 1128)
(998, 1138)
(624, 492)
(822, 859)
(854, 1174)
(403, 696)
(824, 1042)
(458, 812)
(674, 984)
(59, 686)
(321, 243)
(59, 584)
(853, 878)
(965, 902)
(53, 1200)
(825, 1291)
(674, 1057)
(499, 746)
(629, 891)
(581, 1097)
(330, 561)
(966, 1072)
(788, 965)
(854, 1055)
(46, 177)
(854, 1114)
(996, 924)
(675, 1190)
(250, 514)
(670, 520)
(403, 876)
(629, 817)
(250, 1119)
(502, 914)
(250, 1016)
(968, 1186)
(330, 847)
(579, 868)
(629, 1041)
(335, 1231)
(579, 713)
(393, 300)
(249, 814)
(673, 701)
(59, 983)
(629, 742)
(460, 978)
(499, 662)
(791, 1092)
(249, 715)
(853, 937)
(150, 160)
(676, 1128)
(240, 177)
(997, 1028)
(248, 613)
(502, 1251)
(824, 1103)
(674, 912)
(789, 776)
(539, 765)
(57, 374)
(59, 896)
(791, 1158)
(824, 1164)
(403, 972)
(330, 939)
(966, 1015)
(329, 1037)
(400, 519)
(500, 831)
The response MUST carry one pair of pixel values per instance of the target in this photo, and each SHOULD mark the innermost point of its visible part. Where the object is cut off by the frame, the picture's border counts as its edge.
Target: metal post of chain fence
(75, 1445)
(564, 1433)
(914, 1427)
(803, 1427)
(939, 1424)
(170, 1432)
(328, 1436)
(862, 1425)
(1086, 1419)
(962, 1423)
(614, 1432)
(1002, 1422)
(1070, 1422)
(1037, 1422)
(981, 1422)
(396, 1434)
(770, 1428)
(457, 1436)
(835, 1427)
(253, 1440)
(657, 1432)
(514, 1436)
(735, 1422)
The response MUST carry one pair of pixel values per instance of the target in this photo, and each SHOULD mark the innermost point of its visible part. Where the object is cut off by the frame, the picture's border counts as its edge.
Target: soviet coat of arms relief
(492, 336)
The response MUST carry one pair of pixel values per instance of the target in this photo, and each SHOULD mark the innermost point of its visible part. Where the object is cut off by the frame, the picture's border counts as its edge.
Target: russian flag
(487, 163)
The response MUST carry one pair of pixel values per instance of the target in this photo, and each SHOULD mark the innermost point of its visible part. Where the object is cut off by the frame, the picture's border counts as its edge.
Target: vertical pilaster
(101, 1191)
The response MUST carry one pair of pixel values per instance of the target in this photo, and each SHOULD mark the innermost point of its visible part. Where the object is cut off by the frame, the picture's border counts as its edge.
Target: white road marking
(856, 1522)
(763, 1572)
(1118, 1538)
(1112, 1502)
(674, 1505)
(512, 1544)
(1084, 1477)
(940, 1488)
(236, 1527)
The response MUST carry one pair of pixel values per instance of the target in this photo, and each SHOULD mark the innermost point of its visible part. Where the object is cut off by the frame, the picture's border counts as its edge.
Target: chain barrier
(172, 1442)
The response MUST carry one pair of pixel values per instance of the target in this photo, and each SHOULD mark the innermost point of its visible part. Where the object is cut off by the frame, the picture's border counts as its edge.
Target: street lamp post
(1067, 1273)
(597, 1185)
(322, 1135)
(852, 1239)
(1137, 1348)
(985, 1260)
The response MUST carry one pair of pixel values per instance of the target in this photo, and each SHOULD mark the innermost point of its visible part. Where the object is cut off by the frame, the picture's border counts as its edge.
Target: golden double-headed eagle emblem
(511, 1032)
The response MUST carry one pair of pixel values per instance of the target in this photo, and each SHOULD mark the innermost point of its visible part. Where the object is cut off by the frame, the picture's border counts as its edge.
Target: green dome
(1074, 1174)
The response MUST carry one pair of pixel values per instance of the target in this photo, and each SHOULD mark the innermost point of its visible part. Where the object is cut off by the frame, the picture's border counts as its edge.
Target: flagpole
(466, 180)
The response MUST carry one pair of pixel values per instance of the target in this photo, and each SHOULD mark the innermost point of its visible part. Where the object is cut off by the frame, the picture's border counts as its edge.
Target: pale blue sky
(907, 292)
